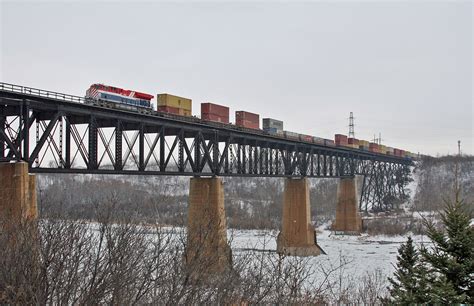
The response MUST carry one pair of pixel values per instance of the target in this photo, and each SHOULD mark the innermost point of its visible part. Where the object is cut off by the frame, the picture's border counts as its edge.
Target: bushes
(54, 261)
(393, 226)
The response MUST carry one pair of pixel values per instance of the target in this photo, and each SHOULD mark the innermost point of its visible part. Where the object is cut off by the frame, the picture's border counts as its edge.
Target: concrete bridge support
(207, 247)
(348, 220)
(17, 193)
(297, 236)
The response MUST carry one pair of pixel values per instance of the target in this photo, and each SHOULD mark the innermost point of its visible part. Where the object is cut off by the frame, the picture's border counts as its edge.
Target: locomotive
(114, 97)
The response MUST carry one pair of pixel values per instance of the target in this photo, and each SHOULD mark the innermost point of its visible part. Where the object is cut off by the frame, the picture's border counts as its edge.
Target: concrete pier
(17, 193)
(297, 236)
(207, 232)
(348, 220)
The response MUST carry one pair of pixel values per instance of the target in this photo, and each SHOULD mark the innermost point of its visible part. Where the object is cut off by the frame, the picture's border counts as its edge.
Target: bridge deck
(85, 138)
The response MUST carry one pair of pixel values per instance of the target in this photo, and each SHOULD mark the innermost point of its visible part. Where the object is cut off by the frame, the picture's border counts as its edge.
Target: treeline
(250, 203)
(254, 203)
(436, 174)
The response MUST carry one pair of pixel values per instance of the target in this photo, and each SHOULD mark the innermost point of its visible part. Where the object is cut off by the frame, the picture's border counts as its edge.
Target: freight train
(218, 115)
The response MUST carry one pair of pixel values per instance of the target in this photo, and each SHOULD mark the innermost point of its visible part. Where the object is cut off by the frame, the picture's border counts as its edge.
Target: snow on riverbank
(359, 255)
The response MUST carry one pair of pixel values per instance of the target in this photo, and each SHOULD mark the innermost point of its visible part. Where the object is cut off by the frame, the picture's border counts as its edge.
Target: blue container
(271, 130)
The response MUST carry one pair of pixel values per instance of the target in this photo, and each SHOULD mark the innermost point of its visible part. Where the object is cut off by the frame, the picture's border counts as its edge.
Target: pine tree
(410, 285)
(452, 256)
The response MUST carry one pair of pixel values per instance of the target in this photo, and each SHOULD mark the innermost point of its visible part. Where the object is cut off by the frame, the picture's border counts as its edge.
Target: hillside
(251, 203)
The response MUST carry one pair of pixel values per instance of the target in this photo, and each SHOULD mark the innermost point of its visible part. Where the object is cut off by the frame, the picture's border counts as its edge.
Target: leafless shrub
(55, 261)
(372, 288)
(393, 226)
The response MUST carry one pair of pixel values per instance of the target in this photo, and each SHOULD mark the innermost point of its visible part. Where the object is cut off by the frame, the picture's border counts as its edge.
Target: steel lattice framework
(58, 133)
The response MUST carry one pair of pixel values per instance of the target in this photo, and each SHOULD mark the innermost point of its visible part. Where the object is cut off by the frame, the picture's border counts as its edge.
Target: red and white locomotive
(115, 97)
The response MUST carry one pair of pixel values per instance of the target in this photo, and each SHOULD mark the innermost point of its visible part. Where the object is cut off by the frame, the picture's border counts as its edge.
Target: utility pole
(378, 140)
(351, 126)
(456, 174)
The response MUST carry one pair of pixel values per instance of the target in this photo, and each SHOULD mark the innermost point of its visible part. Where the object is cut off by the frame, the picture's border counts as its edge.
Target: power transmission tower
(351, 126)
(378, 140)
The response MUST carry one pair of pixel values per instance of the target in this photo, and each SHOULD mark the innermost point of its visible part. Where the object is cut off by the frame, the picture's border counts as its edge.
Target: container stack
(340, 140)
(389, 151)
(318, 140)
(353, 143)
(329, 142)
(174, 105)
(214, 112)
(364, 145)
(291, 135)
(306, 138)
(272, 126)
(247, 120)
(373, 147)
(382, 149)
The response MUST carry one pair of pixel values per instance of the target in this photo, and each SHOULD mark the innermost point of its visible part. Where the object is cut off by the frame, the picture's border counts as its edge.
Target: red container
(306, 138)
(247, 124)
(353, 141)
(246, 119)
(373, 147)
(340, 139)
(216, 118)
(396, 152)
(168, 109)
(402, 153)
(215, 109)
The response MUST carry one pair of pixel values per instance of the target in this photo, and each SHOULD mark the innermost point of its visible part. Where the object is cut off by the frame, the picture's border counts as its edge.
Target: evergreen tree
(452, 256)
(410, 285)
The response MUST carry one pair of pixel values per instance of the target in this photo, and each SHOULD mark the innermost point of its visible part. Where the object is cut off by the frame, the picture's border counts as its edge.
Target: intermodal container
(215, 118)
(364, 143)
(353, 141)
(382, 149)
(174, 110)
(174, 101)
(271, 130)
(272, 123)
(291, 135)
(318, 140)
(214, 109)
(340, 140)
(306, 138)
(402, 153)
(389, 150)
(373, 147)
(329, 142)
(248, 120)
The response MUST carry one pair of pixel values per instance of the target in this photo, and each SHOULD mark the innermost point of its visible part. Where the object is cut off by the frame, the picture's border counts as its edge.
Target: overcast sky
(403, 67)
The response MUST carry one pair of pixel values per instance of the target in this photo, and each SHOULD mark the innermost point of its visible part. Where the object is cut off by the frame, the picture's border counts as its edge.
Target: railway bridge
(49, 132)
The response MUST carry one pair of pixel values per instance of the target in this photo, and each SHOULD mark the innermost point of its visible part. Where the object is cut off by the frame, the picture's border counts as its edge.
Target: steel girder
(62, 135)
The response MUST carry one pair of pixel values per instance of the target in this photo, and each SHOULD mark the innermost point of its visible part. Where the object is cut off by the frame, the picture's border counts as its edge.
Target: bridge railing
(40, 93)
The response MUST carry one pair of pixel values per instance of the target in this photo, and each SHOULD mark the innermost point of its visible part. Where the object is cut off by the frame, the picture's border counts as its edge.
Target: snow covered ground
(358, 255)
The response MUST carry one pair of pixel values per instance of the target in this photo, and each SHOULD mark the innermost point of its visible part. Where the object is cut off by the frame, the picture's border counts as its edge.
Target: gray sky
(404, 68)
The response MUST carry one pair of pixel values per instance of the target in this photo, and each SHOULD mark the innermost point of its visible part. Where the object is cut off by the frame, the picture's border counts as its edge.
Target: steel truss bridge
(60, 133)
